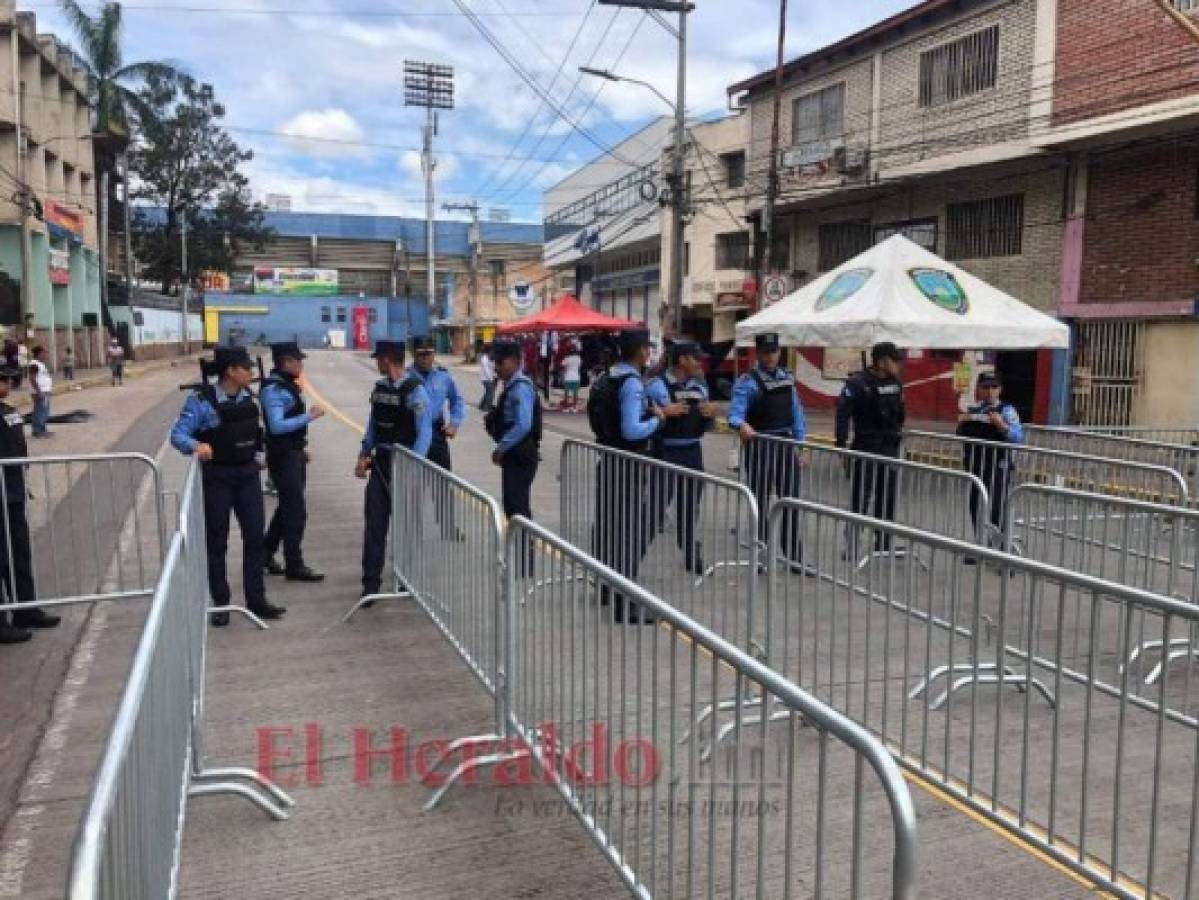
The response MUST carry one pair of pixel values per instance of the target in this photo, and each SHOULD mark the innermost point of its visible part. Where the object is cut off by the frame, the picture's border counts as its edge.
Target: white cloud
(334, 132)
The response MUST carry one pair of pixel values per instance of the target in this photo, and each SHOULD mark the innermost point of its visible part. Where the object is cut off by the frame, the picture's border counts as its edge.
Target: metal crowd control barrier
(1074, 761)
(78, 535)
(1003, 466)
(1165, 433)
(131, 833)
(1182, 458)
(1144, 545)
(927, 497)
(601, 707)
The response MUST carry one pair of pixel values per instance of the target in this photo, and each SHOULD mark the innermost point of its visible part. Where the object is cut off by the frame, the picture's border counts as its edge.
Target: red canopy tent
(566, 314)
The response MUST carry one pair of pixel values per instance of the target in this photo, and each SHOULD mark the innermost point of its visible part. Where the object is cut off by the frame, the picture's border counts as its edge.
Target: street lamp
(612, 76)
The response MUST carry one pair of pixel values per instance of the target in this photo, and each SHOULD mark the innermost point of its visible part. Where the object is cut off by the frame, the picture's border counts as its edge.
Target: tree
(186, 164)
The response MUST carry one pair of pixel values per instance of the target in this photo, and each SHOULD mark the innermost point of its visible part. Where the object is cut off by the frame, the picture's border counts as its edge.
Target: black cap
(632, 339)
(422, 342)
(679, 349)
(287, 350)
(225, 357)
(885, 350)
(393, 349)
(768, 341)
(989, 379)
(505, 350)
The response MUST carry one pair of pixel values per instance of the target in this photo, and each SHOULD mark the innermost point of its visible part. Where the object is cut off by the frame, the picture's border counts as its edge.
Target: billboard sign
(296, 282)
(62, 221)
(60, 266)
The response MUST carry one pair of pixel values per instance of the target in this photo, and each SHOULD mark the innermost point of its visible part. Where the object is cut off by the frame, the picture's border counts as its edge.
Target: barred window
(734, 168)
(1186, 5)
(842, 241)
(983, 228)
(819, 116)
(919, 231)
(732, 250)
(959, 68)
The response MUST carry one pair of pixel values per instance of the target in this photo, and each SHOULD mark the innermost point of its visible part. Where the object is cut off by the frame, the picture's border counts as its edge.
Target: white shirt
(41, 378)
(486, 368)
(571, 365)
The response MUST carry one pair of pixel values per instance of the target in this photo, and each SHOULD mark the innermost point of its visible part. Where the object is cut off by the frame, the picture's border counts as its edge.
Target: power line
(323, 14)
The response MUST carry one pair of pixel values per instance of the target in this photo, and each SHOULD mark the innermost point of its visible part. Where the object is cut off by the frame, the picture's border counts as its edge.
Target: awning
(566, 314)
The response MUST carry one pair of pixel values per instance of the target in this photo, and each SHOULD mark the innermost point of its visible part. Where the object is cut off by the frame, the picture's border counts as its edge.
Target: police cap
(505, 350)
(227, 357)
(679, 349)
(423, 343)
(390, 349)
(633, 339)
(989, 379)
(287, 350)
(885, 350)
(766, 342)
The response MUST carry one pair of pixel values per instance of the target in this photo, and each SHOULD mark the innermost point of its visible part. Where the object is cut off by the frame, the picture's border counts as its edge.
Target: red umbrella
(566, 314)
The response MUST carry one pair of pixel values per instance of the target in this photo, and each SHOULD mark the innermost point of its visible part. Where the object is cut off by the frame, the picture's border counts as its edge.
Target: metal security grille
(732, 250)
(819, 116)
(1186, 5)
(960, 68)
(1108, 365)
(920, 231)
(983, 228)
(842, 241)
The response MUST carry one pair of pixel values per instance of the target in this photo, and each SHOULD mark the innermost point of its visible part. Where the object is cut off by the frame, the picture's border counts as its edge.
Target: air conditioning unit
(850, 160)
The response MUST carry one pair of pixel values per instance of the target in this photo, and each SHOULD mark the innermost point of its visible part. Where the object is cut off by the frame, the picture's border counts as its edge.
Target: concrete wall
(1167, 398)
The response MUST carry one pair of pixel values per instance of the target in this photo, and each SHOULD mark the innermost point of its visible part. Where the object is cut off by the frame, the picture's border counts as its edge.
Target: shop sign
(60, 266)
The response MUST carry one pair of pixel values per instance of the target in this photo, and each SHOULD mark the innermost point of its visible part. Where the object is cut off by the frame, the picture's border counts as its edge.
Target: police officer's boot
(34, 618)
(11, 635)
(273, 567)
(267, 610)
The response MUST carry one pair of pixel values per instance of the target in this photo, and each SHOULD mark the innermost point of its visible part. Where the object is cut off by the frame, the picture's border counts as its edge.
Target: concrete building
(47, 162)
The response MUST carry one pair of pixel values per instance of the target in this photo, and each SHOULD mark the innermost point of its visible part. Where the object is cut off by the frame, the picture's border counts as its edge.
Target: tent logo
(522, 296)
(842, 288)
(942, 289)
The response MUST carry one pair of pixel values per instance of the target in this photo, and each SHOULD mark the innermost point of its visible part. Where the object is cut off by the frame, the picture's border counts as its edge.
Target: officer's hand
(203, 452)
(362, 467)
(316, 412)
(707, 410)
(746, 432)
(450, 431)
(963, 417)
(657, 412)
(998, 421)
(675, 410)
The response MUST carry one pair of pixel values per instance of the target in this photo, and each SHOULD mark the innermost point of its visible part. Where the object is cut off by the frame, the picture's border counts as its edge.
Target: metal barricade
(1075, 761)
(1166, 433)
(130, 836)
(73, 529)
(1182, 458)
(1003, 466)
(602, 707)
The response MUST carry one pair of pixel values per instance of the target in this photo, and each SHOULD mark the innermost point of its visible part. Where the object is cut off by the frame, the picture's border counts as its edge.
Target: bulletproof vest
(770, 413)
(607, 417)
(979, 458)
(978, 425)
(497, 424)
(236, 439)
(878, 413)
(297, 439)
(13, 446)
(690, 426)
(395, 423)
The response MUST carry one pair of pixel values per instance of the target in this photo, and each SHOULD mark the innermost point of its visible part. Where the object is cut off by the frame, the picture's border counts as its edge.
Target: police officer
(448, 408)
(990, 420)
(872, 402)
(515, 425)
(287, 420)
(16, 564)
(220, 426)
(680, 441)
(400, 414)
(766, 402)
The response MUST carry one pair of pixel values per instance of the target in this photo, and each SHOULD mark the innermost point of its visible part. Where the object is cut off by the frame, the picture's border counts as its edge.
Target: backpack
(603, 408)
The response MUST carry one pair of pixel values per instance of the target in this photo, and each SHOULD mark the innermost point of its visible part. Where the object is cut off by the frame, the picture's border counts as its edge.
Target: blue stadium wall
(254, 317)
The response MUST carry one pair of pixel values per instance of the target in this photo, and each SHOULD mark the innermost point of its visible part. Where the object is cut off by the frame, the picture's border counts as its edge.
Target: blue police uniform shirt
(746, 393)
(418, 404)
(1015, 432)
(634, 406)
(276, 401)
(441, 388)
(659, 395)
(196, 417)
(519, 399)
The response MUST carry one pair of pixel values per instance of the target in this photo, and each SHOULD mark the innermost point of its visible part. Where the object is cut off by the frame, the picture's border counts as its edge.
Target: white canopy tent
(897, 291)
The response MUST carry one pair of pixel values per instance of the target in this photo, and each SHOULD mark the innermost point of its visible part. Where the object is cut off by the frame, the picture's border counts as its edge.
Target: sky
(315, 87)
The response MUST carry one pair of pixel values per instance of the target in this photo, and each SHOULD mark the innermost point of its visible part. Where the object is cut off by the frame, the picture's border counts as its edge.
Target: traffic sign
(775, 288)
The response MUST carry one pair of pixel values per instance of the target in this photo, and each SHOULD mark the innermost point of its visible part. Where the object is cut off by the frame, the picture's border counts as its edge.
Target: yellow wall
(1168, 395)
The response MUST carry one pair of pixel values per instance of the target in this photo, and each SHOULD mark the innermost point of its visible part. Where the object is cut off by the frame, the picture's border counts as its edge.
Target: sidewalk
(102, 377)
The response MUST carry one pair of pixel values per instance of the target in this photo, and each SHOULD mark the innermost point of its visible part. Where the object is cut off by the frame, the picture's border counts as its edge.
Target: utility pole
(430, 86)
(24, 195)
(772, 181)
(183, 280)
(476, 248)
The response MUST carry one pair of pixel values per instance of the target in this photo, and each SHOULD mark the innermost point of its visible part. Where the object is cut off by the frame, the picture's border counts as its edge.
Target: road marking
(332, 410)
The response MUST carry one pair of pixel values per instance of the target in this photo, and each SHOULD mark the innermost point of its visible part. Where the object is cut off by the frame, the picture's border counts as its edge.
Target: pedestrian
(622, 418)
(766, 402)
(287, 420)
(16, 555)
(872, 402)
(487, 376)
(680, 442)
(42, 385)
(116, 362)
(572, 367)
(221, 426)
(68, 364)
(515, 425)
(400, 415)
(992, 420)
(448, 409)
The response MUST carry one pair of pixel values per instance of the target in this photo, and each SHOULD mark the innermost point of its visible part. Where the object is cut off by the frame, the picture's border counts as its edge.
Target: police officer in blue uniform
(400, 415)
(220, 425)
(990, 420)
(287, 420)
(448, 409)
(515, 425)
(680, 441)
(766, 402)
(16, 580)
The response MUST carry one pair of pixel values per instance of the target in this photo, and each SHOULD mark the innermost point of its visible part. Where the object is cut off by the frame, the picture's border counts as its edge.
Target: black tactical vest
(395, 423)
(690, 426)
(878, 413)
(293, 440)
(496, 425)
(236, 440)
(771, 411)
(13, 446)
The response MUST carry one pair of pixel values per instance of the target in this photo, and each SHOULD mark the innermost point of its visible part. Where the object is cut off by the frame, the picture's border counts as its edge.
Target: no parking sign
(774, 289)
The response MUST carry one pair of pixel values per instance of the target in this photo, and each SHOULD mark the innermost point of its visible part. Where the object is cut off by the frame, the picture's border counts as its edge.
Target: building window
(919, 231)
(325, 314)
(983, 228)
(498, 269)
(732, 250)
(734, 168)
(1186, 5)
(341, 315)
(372, 315)
(686, 259)
(819, 116)
(842, 241)
(959, 68)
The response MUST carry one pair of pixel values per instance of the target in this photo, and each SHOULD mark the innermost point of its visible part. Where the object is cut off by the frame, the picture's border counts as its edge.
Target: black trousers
(773, 469)
(516, 483)
(234, 490)
(289, 473)
(689, 493)
(443, 506)
(872, 489)
(993, 467)
(16, 580)
(624, 520)
(378, 520)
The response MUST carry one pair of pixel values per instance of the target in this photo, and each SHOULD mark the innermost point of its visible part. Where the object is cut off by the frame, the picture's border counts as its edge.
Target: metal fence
(813, 805)
(1182, 458)
(1168, 434)
(79, 531)
(1003, 466)
(130, 836)
(1003, 681)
